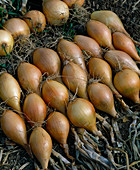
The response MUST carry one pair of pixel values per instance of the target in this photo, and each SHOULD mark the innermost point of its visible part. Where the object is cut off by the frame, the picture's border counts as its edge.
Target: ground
(13, 156)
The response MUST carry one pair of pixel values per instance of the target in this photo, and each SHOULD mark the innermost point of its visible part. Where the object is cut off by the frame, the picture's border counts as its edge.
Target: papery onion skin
(14, 127)
(100, 32)
(110, 19)
(56, 12)
(70, 3)
(41, 146)
(29, 77)
(37, 22)
(100, 69)
(81, 113)
(10, 91)
(47, 60)
(89, 45)
(127, 83)
(58, 127)
(34, 109)
(55, 95)
(75, 79)
(102, 98)
(6, 42)
(120, 60)
(69, 51)
(124, 43)
(17, 27)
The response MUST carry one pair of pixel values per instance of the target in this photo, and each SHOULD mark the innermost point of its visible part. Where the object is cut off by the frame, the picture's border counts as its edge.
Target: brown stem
(66, 150)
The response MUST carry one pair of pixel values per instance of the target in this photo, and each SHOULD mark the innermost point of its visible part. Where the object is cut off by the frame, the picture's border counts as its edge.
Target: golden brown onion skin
(100, 32)
(81, 113)
(127, 83)
(6, 42)
(29, 77)
(69, 51)
(120, 60)
(55, 95)
(56, 12)
(35, 109)
(37, 21)
(10, 91)
(102, 98)
(47, 60)
(17, 27)
(100, 69)
(124, 43)
(41, 146)
(14, 127)
(58, 127)
(70, 3)
(110, 19)
(89, 45)
(75, 79)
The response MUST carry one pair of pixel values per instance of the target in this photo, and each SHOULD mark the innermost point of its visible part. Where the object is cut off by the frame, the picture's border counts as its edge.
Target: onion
(100, 32)
(29, 77)
(110, 19)
(82, 114)
(70, 3)
(6, 42)
(58, 127)
(56, 12)
(100, 69)
(41, 146)
(102, 98)
(10, 91)
(127, 82)
(75, 79)
(35, 109)
(124, 43)
(89, 45)
(121, 60)
(37, 21)
(48, 61)
(17, 27)
(69, 51)
(14, 127)
(55, 95)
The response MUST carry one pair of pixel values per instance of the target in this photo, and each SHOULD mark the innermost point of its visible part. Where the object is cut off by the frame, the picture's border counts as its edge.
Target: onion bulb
(35, 109)
(70, 3)
(121, 60)
(102, 98)
(6, 42)
(58, 127)
(100, 32)
(35, 20)
(75, 79)
(55, 95)
(100, 69)
(14, 127)
(17, 27)
(48, 61)
(41, 146)
(89, 45)
(10, 91)
(124, 43)
(69, 51)
(110, 19)
(56, 12)
(127, 83)
(29, 77)
(81, 113)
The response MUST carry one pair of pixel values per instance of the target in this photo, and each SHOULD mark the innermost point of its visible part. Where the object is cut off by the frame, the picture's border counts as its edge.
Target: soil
(13, 156)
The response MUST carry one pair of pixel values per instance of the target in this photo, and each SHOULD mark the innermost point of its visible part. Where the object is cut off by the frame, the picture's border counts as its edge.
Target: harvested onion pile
(64, 88)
